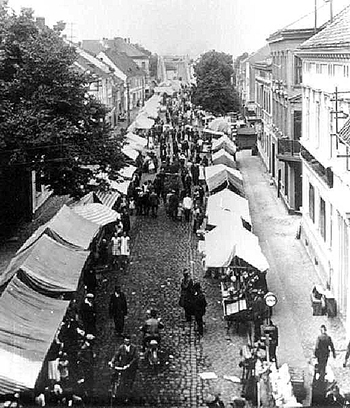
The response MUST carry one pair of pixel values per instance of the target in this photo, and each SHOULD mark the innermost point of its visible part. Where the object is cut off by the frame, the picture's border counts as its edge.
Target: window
(330, 70)
(318, 123)
(346, 71)
(312, 202)
(318, 69)
(297, 125)
(323, 218)
(143, 64)
(298, 71)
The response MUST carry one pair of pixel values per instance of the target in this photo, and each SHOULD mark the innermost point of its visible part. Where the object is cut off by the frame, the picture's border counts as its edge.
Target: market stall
(223, 157)
(224, 143)
(97, 213)
(220, 125)
(227, 200)
(219, 177)
(209, 134)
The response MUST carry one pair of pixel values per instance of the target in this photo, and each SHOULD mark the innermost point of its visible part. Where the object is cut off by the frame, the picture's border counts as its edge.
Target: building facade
(326, 156)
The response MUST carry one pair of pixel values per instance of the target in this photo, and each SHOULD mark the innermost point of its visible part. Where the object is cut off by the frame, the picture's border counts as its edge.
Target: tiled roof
(334, 35)
(124, 63)
(92, 46)
(88, 66)
(120, 45)
(260, 55)
(344, 133)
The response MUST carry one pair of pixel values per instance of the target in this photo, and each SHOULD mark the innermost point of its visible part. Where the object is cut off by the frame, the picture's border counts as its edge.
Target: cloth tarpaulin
(121, 186)
(97, 213)
(66, 227)
(230, 201)
(223, 157)
(135, 139)
(213, 133)
(130, 152)
(141, 122)
(222, 217)
(49, 265)
(28, 324)
(224, 143)
(224, 243)
(220, 125)
(127, 172)
(108, 198)
(219, 174)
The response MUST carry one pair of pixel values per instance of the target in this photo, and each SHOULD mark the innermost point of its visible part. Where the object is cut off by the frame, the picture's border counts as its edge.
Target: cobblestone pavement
(161, 249)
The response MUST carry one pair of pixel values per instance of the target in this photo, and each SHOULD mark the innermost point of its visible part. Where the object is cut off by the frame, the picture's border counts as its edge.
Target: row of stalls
(232, 254)
(47, 272)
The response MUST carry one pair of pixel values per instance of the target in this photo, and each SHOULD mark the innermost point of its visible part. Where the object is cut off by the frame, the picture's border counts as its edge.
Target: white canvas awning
(97, 213)
(224, 143)
(227, 200)
(220, 174)
(223, 157)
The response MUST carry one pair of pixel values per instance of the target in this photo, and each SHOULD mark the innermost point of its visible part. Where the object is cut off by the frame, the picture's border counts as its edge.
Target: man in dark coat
(186, 294)
(118, 309)
(324, 345)
(199, 305)
(88, 314)
(125, 219)
(126, 356)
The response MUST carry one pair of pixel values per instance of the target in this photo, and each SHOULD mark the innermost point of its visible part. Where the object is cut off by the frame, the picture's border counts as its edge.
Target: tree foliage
(48, 121)
(214, 91)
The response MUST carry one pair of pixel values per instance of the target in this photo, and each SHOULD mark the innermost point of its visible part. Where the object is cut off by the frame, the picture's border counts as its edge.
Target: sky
(180, 26)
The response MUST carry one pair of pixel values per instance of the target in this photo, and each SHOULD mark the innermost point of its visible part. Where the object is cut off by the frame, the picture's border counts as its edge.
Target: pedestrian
(324, 345)
(187, 205)
(198, 304)
(186, 294)
(154, 202)
(125, 220)
(115, 250)
(173, 205)
(124, 249)
(118, 309)
(88, 314)
(126, 356)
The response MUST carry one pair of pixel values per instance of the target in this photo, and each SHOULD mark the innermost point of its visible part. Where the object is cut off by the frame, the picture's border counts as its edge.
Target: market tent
(223, 244)
(224, 143)
(89, 198)
(141, 122)
(135, 139)
(29, 321)
(227, 200)
(212, 133)
(108, 198)
(220, 174)
(127, 172)
(224, 218)
(161, 90)
(121, 186)
(48, 265)
(220, 125)
(152, 106)
(219, 247)
(130, 152)
(97, 213)
(68, 228)
(222, 157)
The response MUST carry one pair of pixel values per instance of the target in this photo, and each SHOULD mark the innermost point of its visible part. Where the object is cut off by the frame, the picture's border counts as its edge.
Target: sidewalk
(291, 276)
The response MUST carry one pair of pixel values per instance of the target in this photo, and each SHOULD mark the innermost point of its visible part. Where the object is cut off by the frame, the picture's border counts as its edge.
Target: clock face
(270, 299)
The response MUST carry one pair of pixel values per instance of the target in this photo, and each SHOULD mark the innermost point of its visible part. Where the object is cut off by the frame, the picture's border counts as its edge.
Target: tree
(48, 121)
(214, 91)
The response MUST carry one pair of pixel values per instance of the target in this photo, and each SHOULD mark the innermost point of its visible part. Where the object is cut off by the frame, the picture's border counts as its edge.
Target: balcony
(289, 150)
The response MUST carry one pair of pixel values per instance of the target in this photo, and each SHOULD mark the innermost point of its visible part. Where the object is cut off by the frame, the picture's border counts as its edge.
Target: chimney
(128, 40)
(40, 22)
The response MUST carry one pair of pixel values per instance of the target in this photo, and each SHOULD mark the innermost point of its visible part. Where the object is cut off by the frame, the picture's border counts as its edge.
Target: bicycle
(116, 382)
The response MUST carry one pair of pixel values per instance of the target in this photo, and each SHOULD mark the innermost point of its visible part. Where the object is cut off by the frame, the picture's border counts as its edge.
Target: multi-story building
(263, 98)
(284, 162)
(326, 155)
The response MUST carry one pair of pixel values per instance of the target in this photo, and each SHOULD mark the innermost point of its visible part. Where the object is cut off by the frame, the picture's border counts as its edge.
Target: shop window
(323, 218)
(312, 202)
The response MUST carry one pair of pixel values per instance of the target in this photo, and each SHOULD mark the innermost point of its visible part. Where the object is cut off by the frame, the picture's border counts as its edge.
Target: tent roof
(213, 132)
(224, 143)
(132, 138)
(220, 125)
(29, 321)
(49, 265)
(130, 152)
(97, 213)
(108, 198)
(68, 228)
(222, 244)
(141, 122)
(227, 200)
(127, 171)
(223, 157)
(226, 218)
(121, 186)
(218, 174)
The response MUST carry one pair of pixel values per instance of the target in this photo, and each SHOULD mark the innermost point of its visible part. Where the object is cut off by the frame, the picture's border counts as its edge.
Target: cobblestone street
(161, 250)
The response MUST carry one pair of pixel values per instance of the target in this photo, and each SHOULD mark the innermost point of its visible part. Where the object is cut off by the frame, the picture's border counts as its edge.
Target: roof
(68, 228)
(260, 55)
(223, 157)
(48, 265)
(124, 63)
(29, 321)
(118, 44)
(97, 213)
(220, 174)
(335, 35)
(344, 133)
(87, 66)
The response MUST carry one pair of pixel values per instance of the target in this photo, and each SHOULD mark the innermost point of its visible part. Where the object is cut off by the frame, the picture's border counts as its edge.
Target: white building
(326, 155)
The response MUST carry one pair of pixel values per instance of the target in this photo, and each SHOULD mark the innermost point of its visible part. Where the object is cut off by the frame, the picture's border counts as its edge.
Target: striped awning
(97, 213)
(108, 198)
(344, 133)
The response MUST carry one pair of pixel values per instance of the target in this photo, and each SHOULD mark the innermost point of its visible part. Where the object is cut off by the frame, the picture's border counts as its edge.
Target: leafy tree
(214, 90)
(48, 121)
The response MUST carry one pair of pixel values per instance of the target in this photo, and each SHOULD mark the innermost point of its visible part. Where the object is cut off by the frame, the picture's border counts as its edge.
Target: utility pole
(315, 28)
